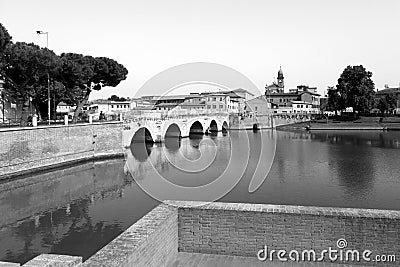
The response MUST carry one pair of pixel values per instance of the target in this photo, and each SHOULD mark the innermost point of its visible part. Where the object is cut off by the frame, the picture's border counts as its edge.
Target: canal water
(78, 210)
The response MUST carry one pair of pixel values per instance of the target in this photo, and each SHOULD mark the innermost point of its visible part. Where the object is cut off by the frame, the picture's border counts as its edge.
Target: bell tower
(280, 79)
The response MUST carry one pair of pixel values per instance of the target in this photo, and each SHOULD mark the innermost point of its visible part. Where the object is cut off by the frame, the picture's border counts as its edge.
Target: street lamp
(48, 76)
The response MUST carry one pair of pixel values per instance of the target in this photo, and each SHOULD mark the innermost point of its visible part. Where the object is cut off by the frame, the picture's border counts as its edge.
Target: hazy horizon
(312, 40)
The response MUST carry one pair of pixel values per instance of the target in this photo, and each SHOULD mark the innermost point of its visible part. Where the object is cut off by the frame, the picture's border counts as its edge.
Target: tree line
(356, 89)
(27, 69)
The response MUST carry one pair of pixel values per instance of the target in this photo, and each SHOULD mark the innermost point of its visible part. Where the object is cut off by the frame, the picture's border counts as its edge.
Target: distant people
(102, 116)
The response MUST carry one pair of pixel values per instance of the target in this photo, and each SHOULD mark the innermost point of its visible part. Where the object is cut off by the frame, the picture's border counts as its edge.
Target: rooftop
(241, 90)
(261, 97)
(389, 90)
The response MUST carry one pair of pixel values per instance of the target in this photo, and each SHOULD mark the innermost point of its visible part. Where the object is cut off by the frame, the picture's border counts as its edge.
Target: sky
(312, 40)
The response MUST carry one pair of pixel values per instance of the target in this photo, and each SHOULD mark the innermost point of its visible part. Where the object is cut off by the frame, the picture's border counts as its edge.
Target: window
(256, 108)
(214, 106)
(209, 106)
(220, 99)
(280, 99)
(221, 106)
(112, 106)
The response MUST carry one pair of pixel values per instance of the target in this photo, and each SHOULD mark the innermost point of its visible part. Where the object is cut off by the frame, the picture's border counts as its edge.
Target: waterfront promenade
(366, 123)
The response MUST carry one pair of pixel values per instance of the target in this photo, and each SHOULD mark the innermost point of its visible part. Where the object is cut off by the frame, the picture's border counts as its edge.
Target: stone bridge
(156, 126)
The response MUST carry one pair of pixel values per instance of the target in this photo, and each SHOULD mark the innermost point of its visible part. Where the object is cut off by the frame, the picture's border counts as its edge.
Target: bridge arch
(142, 135)
(173, 130)
(213, 126)
(255, 127)
(196, 128)
(225, 127)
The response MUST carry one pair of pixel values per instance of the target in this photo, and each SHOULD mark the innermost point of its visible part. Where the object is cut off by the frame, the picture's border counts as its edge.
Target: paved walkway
(211, 260)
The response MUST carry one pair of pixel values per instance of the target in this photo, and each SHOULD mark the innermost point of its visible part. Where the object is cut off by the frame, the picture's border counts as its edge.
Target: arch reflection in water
(141, 150)
(195, 140)
(172, 143)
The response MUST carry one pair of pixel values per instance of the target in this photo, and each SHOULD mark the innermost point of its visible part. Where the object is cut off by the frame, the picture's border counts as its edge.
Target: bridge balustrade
(162, 116)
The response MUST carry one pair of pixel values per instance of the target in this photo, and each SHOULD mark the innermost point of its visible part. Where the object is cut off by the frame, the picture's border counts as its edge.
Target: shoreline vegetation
(363, 123)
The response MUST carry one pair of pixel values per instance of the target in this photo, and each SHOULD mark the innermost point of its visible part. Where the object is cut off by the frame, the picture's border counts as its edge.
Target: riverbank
(58, 166)
(34, 149)
(361, 125)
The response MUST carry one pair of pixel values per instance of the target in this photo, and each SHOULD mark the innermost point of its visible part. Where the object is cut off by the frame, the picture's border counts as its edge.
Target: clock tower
(280, 79)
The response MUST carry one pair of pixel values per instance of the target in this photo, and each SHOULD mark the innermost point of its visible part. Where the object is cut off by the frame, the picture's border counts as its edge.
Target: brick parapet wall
(24, 149)
(152, 241)
(244, 229)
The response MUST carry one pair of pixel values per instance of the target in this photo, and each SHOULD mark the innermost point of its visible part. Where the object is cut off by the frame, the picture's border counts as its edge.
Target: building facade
(302, 99)
(258, 105)
(390, 91)
(221, 102)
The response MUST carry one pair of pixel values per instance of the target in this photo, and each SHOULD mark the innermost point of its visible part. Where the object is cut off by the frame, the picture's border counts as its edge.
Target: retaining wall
(152, 241)
(264, 121)
(244, 229)
(27, 149)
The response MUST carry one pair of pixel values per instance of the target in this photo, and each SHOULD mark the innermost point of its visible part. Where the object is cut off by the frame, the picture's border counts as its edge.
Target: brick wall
(29, 148)
(152, 241)
(244, 229)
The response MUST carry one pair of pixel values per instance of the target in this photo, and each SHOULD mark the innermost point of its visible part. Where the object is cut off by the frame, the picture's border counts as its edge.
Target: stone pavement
(211, 260)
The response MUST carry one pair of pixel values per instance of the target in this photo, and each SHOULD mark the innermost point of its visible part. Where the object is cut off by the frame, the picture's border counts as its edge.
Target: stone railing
(153, 115)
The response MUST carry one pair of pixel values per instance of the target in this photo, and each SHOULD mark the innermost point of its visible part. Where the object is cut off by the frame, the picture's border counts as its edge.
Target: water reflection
(141, 150)
(357, 138)
(172, 143)
(72, 211)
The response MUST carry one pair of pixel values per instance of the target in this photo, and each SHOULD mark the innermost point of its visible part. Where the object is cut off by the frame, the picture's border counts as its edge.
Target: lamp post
(3, 102)
(48, 77)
